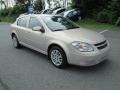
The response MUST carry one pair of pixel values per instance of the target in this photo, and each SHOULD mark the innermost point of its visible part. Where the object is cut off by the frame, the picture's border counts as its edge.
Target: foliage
(5, 12)
(90, 8)
(90, 4)
(93, 25)
(10, 14)
(105, 11)
(76, 3)
(10, 19)
(118, 22)
(38, 5)
(18, 9)
(23, 1)
(103, 16)
(102, 10)
(114, 8)
(112, 12)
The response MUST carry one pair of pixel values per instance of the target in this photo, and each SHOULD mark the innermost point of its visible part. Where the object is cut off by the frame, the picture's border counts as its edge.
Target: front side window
(58, 23)
(34, 22)
(22, 22)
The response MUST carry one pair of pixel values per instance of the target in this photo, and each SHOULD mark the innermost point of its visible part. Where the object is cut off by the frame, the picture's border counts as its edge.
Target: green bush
(118, 22)
(5, 12)
(10, 14)
(103, 17)
(18, 9)
(111, 13)
(38, 5)
(107, 16)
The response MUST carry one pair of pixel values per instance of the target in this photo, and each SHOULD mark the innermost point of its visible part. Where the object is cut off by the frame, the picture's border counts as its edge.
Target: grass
(92, 24)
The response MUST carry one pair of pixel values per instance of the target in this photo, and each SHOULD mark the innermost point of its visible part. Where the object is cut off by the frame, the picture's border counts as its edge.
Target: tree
(38, 5)
(3, 3)
(24, 1)
(90, 7)
(114, 10)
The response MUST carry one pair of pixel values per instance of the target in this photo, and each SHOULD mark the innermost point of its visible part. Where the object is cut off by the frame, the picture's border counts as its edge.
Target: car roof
(68, 11)
(58, 9)
(36, 15)
(55, 11)
(55, 8)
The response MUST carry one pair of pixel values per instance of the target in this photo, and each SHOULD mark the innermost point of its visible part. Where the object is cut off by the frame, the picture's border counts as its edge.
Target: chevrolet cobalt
(62, 40)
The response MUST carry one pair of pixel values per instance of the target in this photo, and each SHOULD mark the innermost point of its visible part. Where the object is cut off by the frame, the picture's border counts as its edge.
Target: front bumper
(87, 58)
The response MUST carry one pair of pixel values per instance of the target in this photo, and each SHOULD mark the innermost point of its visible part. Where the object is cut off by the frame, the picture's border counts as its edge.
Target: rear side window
(45, 11)
(22, 22)
(60, 11)
(34, 22)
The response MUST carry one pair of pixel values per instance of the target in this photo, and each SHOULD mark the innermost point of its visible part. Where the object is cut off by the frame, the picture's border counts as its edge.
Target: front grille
(101, 45)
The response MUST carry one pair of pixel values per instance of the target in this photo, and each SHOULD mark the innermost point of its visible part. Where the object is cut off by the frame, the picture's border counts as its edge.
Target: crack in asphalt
(5, 86)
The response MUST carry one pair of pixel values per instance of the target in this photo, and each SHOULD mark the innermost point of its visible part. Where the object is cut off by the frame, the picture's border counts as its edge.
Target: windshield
(58, 23)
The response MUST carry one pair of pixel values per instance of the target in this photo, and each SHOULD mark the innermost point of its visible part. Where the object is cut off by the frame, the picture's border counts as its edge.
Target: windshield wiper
(58, 30)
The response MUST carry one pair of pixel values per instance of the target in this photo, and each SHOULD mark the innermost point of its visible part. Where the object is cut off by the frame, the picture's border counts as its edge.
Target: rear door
(22, 25)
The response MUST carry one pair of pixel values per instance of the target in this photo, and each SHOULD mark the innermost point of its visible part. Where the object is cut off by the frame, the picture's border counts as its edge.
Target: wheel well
(52, 45)
(13, 34)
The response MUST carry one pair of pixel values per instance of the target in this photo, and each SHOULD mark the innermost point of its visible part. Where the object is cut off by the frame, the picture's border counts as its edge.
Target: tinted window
(34, 22)
(60, 11)
(22, 22)
(45, 11)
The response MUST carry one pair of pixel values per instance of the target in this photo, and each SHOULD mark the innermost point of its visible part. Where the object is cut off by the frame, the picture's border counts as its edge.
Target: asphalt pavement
(25, 69)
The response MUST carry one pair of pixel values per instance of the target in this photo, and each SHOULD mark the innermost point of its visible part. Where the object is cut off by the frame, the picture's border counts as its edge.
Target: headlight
(82, 46)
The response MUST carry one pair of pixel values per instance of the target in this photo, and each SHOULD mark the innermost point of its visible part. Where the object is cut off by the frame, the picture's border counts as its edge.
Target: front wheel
(58, 57)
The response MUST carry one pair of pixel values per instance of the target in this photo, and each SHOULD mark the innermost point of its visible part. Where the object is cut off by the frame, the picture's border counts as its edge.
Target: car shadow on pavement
(105, 65)
(34, 52)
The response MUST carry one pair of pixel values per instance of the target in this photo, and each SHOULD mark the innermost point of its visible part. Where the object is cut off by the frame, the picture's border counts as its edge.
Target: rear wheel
(58, 57)
(15, 41)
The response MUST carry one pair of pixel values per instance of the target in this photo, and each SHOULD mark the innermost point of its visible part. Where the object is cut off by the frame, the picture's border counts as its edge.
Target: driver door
(35, 39)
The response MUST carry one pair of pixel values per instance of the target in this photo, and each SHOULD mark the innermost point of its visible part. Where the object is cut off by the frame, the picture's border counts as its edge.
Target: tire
(15, 41)
(58, 57)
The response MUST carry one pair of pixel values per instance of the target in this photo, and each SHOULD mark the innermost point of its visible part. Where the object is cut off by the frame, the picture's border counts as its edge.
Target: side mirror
(38, 28)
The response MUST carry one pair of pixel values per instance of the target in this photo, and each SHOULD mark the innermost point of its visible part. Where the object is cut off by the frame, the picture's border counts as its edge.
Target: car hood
(80, 34)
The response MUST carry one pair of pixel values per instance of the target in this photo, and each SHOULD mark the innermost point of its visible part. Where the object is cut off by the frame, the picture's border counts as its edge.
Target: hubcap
(56, 57)
(14, 41)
